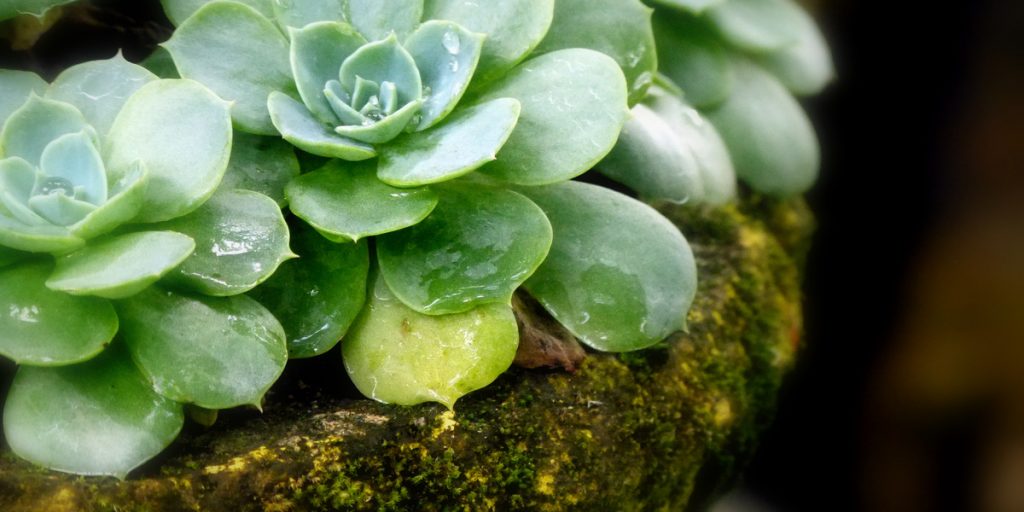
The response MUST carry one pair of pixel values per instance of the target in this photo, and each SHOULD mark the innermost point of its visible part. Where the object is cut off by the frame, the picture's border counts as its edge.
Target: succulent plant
(121, 258)
(37, 8)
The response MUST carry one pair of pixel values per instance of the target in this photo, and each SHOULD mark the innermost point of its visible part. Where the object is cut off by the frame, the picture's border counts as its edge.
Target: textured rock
(666, 428)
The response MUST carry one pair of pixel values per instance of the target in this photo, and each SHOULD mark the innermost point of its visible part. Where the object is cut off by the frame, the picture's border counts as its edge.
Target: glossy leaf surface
(98, 89)
(317, 52)
(757, 26)
(260, 164)
(35, 124)
(298, 126)
(804, 67)
(693, 57)
(446, 55)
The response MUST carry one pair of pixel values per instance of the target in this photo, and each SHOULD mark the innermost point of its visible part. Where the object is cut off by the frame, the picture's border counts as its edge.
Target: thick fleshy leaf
(693, 6)
(60, 209)
(469, 139)
(15, 88)
(179, 10)
(260, 164)
(476, 248)
(513, 27)
(396, 355)
(194, 130)
(384, 130)
(20, 236)
(121, 266)
(35, 124)
(319, 295)
(805, 67)
(212, 352)
(317, 52)
(299, 13)
(127, 195)
(74, 158)
(241, 239)
(769, 136)
(446, 55)
(620, 276)
(383, 61)
(100, 88)
(346, 202)
(691, 55)
(618, 28)
(42, 327)
(17, 178)
(757, 26)
(298, 126)
(96, 418)
(375, 19)
(258, 62)
(161, 64)
(573, 107)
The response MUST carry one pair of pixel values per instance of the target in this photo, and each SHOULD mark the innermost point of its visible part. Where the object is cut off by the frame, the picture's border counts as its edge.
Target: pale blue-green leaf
(317, 296)
(120, 266)
(770, 139)
(692, 6)
(513, 28)
(573, 107)
(620, 276)
(299, 13)
(475, 248)
(375, 19)
(37, 8)
(691, 55)
(757, 26)
(620, 29)
(446, 55)
(17, 178)
(42, 327)
(179, 10)
(346, 202)
(15, 88)
(396, 355)
(384, 130)
(806, 67)
(260, 164)
(470, 138)
(241, 239)
(60, 209)
(194, 130)
(317, 52)
(240, 55)
(383, 61)
(212, 352)
(161, 64)
(74, 157)
(35, 124)
(98, 89)
(298, 126)
(20, 236)
(21, 211)
(96, 418)
(127, 195)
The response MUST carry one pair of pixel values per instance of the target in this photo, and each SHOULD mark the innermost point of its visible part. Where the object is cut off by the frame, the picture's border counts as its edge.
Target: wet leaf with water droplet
(446, 55)
(99, 88)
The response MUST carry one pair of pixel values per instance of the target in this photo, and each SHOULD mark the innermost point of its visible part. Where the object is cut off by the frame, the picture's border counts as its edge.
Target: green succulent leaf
(385, 129)
(99, 89)
(805, 67)
(668, 151)
(769, 136)
(15, 88)
(620, 276)
(513, 28)
(260, 164)
(298, 126)
(757, 26)
(9, 257)
(258, 62)
(179, 10)
(346, 202)
(446, 55)
(396, 355)
(232, 350)
(475, 248)
(692, 6)
(16, 235)
(383, 61)
(467, 140)
(193, 128)
(74, 157)
(96, 418)
(161, 64)
(127, 195)
(241, 239)
(573, 107)
(318, 296)
(299, 13)
(691, 55)
(618, 28)
(120, 266)
(47, 328)
(375, 19)
(35, 124)
(317, 52)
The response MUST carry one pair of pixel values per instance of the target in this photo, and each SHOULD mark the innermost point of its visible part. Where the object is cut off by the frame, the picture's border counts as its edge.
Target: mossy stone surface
(662, 429)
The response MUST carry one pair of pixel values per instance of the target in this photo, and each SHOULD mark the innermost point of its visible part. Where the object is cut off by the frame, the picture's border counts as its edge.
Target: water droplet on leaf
(55, 185)
(451, 42)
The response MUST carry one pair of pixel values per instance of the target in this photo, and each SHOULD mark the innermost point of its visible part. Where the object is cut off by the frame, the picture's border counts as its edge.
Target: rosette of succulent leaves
(439, 139)
(124, 258)
(737, 64)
